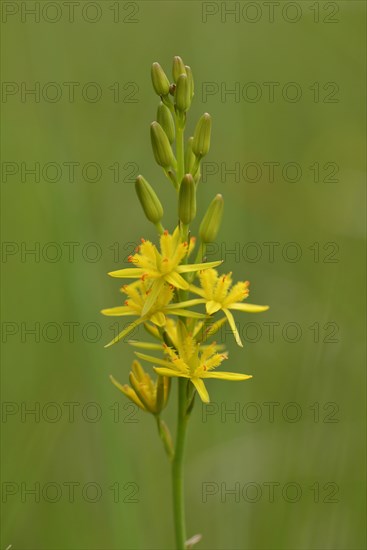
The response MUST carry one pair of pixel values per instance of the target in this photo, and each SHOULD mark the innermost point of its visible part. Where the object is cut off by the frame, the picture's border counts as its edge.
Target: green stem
(180, 151)
(159, 228)
(177, 467)
(198, 260)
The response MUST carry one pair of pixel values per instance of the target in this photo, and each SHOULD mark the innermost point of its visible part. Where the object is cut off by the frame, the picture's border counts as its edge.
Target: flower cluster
(181, 302)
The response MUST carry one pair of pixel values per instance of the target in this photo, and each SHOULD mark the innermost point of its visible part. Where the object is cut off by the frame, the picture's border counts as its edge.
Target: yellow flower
(217, 295)
(191, 360)
(148, 395)
(137, 293)
(162, 267)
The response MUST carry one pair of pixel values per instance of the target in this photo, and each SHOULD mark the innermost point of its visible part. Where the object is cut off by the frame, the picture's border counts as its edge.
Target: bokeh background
(310, 371)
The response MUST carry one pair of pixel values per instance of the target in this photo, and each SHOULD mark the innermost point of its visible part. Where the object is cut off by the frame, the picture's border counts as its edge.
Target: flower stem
(177, 466)
(180, 151)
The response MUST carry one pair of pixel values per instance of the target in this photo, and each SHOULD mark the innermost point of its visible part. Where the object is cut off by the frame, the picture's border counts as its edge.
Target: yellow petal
(152, 359)
(145, 345)
(118, 311)
(208, 280)
(232, 324)
(124, 332)
(197, 290)
(186, 313)
(226, 375)
(186, 268)
(212, 307)
(127, 273)
(249, 308)
(176, 280)
(129, 392)
(169, 372)
(186, 303)
(154, 291)
(201, 389)
(158, 319)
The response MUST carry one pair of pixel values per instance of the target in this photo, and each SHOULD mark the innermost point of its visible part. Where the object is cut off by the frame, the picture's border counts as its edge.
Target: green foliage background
(224, 449)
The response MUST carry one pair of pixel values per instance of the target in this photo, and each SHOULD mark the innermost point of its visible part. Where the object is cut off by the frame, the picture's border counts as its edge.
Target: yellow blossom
(162, 267)
(137, 294)
(188, 359)
(217, 295)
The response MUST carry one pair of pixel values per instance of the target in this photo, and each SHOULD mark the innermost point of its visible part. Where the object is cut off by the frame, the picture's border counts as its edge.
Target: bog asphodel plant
(181, 302)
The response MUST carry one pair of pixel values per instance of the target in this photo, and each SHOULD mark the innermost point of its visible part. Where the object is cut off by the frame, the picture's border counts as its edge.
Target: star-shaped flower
(162, 267)
(217, 295)
(188, 359)
(137, 294)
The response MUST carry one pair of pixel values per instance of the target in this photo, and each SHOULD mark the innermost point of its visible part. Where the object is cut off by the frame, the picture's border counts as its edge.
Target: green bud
(164, 117)
(190, 79)
(161, 146)
(209, 227)
(160, 81)
(201, 143)
(182, 95)
(148, 199)
(178, 68)
(189, 156)
(187, 200)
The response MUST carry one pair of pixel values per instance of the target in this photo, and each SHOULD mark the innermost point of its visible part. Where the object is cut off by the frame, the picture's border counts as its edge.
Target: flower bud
(209, 227)
(148, 199)
(187, 200)
(201, 143)
(161, 146)
(182, 95)
(165, 119)
(160, 81)
(178, 68)
(189, 156)
(162, 392)
(190, 80)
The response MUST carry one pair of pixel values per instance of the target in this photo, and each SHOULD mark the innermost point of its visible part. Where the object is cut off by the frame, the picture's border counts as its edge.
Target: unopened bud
(160, 81)
(190, 80)
(187, 200)
(209, 227)
(164, 117)
(161, 146)
(189, 157)
(148, 199)
(201, 143)
(178, 68)
(182, 95)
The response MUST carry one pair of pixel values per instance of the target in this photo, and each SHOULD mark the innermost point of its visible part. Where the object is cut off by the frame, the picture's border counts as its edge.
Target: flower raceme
(165, 287)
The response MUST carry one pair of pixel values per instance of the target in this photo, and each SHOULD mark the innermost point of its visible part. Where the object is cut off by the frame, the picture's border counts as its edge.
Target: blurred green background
(310, 372)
